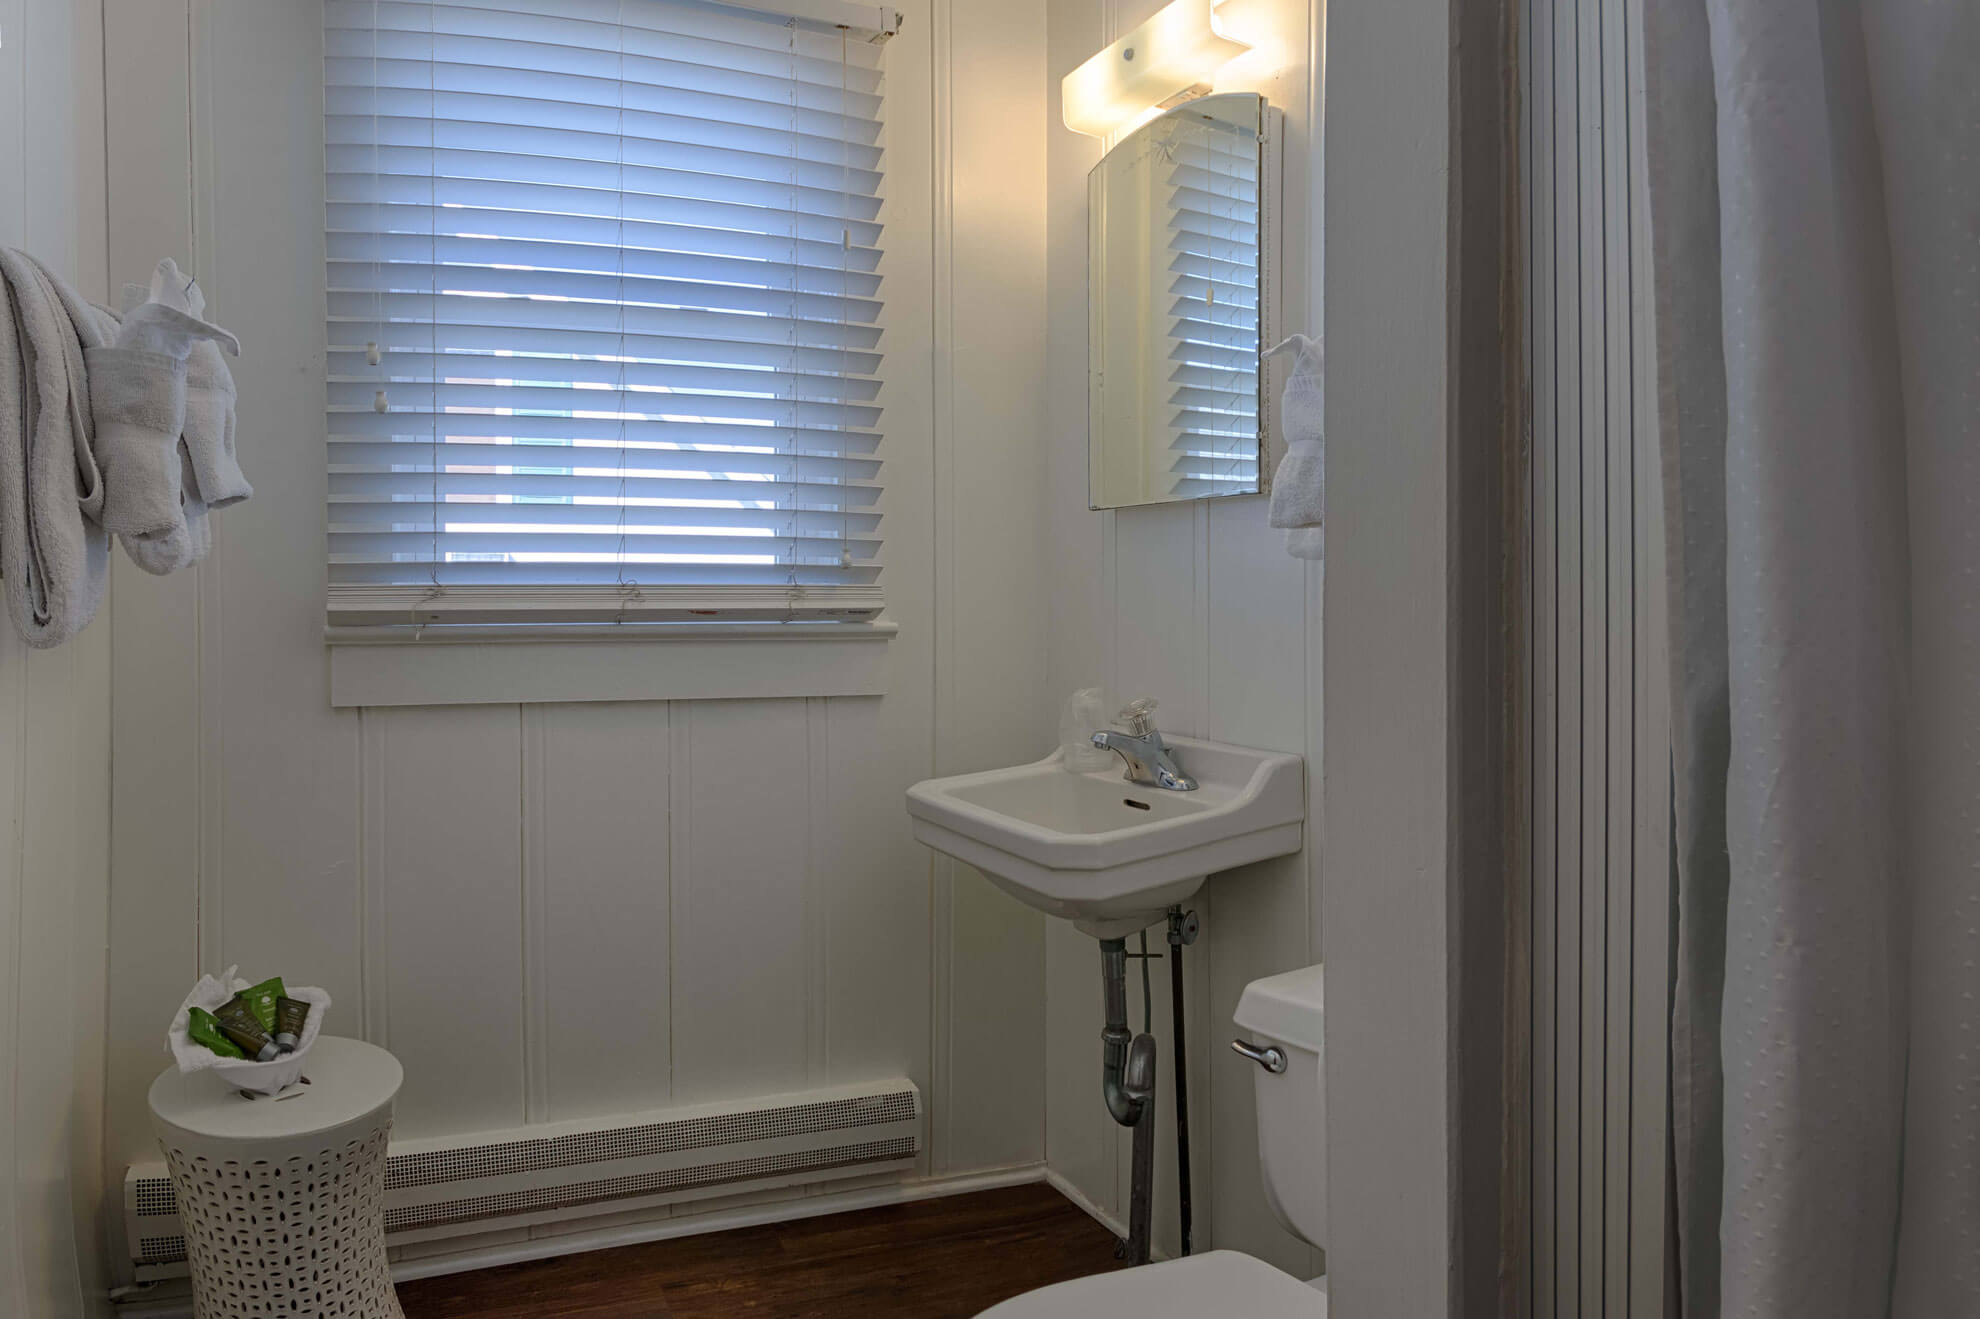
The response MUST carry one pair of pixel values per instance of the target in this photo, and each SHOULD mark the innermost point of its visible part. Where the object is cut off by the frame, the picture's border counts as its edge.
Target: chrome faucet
(1148, 760)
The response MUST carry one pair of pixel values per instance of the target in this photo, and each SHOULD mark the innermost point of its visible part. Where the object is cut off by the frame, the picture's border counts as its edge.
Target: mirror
(1175, 293)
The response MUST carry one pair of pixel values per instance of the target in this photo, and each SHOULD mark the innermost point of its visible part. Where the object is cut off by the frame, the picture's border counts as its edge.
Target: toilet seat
(1221, 1282)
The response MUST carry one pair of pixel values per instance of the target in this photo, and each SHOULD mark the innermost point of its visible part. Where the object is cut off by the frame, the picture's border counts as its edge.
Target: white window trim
(510, 664)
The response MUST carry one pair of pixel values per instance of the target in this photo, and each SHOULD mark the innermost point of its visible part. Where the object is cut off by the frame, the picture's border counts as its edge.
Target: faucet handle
(1136, 715)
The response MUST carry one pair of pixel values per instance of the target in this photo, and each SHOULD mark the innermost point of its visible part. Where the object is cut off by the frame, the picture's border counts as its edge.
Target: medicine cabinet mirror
(1177, 275)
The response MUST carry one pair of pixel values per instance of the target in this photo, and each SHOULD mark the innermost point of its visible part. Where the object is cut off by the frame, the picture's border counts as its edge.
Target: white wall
(484, 888)
(1198, 605)
(54, 742)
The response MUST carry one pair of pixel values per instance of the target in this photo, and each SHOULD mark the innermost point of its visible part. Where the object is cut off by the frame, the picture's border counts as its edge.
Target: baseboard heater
(565, 1170)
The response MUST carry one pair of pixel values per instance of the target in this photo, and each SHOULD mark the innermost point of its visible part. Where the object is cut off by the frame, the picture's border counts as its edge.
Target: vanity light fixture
(1170, 58)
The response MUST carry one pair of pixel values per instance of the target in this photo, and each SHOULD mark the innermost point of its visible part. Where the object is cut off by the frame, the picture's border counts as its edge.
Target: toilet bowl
(1282, 1013)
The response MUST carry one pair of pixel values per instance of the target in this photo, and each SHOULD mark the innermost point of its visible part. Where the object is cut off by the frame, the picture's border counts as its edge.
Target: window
(604, 302)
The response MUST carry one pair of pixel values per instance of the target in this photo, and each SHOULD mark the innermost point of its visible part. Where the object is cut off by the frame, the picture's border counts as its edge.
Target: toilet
(1282, 1012)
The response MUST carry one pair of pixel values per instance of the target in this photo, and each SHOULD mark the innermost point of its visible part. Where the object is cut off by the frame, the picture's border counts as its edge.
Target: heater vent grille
(161, 1250)
(658, 1183)
(437, 1166)
(154, 1195)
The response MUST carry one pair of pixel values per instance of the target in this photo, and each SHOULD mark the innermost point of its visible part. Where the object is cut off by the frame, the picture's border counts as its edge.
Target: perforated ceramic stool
(283, 1200)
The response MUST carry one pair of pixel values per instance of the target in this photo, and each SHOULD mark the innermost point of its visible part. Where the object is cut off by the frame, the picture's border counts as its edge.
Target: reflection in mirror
(1174, 300)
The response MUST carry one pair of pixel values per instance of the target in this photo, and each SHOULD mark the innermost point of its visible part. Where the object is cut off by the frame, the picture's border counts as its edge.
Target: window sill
(510, 664)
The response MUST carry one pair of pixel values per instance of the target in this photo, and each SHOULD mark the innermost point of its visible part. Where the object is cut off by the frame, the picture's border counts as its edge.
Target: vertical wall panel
(278, 885)
(13, 937)
(156, 728)
(740, 865)
(443, 852)
(990, 709)
(596, 893)
(54, 745)
(1599, 733)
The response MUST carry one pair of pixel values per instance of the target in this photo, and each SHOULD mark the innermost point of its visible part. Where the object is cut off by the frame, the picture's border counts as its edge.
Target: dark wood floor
(935, 1259)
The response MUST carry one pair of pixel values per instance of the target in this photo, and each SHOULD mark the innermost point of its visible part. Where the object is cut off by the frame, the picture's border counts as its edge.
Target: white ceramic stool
(283, 1200)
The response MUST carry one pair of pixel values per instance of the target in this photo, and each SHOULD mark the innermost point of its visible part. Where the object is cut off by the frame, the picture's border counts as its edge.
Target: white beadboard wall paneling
(1199, 606)
(15, 1206)
(718, 663)
(156, 689)
(54, 745)
(991, 707)
(443, 849)
(1080, 1145)
(271, 742)
(740, 901)
(596, 893)
(45, 1051)
(869, 879)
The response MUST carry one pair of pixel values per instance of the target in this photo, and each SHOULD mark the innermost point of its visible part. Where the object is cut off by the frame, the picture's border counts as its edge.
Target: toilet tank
(1287, 1011)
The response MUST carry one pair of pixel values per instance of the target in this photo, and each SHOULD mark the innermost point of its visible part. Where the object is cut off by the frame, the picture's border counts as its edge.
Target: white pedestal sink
(1105, 853)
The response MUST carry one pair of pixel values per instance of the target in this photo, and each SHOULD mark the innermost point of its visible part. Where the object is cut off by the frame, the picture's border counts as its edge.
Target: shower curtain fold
(1815, 222)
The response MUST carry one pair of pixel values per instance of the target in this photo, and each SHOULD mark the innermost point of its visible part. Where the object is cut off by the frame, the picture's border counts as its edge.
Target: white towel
(1299, 486)
(209, 433)
(139, 400)
(146, 400)
(52, 557)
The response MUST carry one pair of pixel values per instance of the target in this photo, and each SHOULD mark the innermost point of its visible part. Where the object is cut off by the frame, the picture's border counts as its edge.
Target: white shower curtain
(1815, 216)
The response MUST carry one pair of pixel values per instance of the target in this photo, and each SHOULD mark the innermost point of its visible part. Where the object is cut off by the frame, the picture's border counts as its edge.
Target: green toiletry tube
(204, 1029)
(291, 1015)
(261, 1001)
(245, 1029)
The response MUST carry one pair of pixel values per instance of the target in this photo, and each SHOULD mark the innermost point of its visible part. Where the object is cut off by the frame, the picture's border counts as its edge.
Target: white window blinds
(604, 302)
(1212, 277)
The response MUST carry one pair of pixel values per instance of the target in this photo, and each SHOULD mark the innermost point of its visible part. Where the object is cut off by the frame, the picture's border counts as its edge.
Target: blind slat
(353, 484)
(716, 468)
(618, 264)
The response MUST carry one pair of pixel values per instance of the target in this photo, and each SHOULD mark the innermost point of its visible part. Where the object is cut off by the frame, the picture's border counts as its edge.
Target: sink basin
(1109, 854)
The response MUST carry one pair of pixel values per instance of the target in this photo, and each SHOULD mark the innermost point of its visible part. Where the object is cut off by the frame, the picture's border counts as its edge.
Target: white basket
(269, 1078)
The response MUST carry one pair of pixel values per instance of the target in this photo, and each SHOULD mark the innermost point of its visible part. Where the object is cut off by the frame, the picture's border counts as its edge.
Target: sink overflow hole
(1138, 805)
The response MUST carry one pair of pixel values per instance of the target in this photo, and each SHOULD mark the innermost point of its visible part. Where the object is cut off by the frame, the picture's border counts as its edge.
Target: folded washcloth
(1299, 486)
(139, 399)
(209, 431)
(53, 556)
(185, 544)
(167, 442)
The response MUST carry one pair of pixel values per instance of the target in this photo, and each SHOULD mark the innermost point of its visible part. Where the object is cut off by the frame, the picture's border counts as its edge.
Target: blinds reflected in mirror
(617, 262)
(1175, 284)
(1213, 188)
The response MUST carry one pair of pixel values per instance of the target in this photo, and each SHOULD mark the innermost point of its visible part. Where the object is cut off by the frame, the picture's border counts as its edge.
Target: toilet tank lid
(1290, 1007)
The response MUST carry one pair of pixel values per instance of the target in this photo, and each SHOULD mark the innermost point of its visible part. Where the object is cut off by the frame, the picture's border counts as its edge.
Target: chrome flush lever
(1271, 1057)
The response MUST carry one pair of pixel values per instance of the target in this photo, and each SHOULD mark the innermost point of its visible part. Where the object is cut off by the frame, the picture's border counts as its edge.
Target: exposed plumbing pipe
(1127, 1079)
(1125, 1103)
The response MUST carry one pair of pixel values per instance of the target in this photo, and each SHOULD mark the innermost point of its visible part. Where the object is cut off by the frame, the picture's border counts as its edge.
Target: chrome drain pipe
(1124, 1102)
(1127, 1079)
